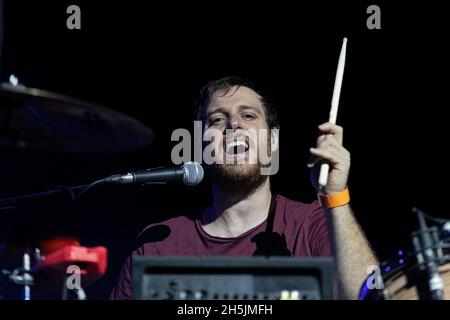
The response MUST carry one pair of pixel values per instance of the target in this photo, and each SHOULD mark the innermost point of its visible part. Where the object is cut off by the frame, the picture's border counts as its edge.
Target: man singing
(246, 218)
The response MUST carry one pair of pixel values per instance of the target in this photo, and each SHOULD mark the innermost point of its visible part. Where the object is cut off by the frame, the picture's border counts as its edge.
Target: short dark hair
(224, 85)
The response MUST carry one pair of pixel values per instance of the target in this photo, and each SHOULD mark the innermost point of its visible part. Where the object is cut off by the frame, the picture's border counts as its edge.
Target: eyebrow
(241, 107)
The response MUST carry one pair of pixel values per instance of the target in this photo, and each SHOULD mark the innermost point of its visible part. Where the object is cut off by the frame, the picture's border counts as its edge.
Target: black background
(149, 60)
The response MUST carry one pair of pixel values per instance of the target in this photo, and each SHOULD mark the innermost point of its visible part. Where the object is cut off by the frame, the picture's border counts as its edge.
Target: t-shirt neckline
(206, 235)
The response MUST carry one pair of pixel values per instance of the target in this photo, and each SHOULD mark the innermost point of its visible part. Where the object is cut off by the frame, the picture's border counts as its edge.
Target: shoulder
(307, 221)
(176, 223)
(293, 209)
(299, 214)
(160, 232)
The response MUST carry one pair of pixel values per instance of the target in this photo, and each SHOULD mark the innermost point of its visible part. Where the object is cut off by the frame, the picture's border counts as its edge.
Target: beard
(237, 179)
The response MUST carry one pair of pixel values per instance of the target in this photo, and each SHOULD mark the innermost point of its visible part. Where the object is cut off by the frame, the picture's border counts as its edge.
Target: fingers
(314, 160)
(322, 156)
(330, 150)
(320, 139)
(332, 129)
(337, 158)
(329, 147)
(327, 140)
(323, 142)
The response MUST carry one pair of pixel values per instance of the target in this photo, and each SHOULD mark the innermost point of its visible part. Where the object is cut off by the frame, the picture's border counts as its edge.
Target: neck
(234, 213)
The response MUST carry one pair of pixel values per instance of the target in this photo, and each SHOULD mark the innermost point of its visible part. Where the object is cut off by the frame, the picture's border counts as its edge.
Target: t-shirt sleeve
(123, 289)
(319, 240)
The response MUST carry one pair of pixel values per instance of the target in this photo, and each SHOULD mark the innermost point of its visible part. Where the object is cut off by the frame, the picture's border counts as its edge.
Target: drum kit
(56, 266)
(422, 273)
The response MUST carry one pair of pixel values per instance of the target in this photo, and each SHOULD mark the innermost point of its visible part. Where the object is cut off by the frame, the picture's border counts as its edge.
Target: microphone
(189, 173)
(427, 255)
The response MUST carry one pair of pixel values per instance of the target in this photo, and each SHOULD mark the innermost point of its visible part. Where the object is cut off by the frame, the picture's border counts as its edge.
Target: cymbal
(36, 119)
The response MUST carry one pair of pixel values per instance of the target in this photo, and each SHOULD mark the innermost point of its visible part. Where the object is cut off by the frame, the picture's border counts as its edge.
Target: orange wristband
(335, 200)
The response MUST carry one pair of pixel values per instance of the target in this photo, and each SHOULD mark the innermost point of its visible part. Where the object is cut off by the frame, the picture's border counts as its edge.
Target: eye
(216, 120)
(249, 116)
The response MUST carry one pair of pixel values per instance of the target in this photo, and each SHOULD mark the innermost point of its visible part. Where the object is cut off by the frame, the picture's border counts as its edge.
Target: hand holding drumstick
(329, 144)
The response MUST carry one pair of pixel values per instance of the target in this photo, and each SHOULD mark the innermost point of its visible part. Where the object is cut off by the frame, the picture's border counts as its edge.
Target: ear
(274, 139)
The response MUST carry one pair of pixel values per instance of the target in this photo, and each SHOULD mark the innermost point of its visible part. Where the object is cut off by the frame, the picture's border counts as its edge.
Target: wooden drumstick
(325, 167)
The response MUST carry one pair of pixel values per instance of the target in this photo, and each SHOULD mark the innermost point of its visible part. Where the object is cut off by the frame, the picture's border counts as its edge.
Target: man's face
(238, 123)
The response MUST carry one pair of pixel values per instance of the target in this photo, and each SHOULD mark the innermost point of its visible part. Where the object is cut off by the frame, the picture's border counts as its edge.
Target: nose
(234, 122)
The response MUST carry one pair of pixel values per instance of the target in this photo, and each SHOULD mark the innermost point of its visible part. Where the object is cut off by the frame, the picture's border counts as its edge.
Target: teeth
(238, 146)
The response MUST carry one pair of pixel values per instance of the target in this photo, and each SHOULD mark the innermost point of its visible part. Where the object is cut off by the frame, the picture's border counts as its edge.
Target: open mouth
(237, 146)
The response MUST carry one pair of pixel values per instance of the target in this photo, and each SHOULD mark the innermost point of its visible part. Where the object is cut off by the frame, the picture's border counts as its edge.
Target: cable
(90, 187)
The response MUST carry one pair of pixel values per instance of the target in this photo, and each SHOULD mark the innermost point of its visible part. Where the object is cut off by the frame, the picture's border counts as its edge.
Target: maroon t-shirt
(294, 229)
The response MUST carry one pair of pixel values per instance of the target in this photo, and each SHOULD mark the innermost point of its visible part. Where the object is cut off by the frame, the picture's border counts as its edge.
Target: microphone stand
(11, 203)
(426, 248)
(22, 276)
(72, 294)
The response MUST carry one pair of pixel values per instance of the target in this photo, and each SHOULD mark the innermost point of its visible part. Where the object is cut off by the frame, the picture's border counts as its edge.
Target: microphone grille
(193, 173)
